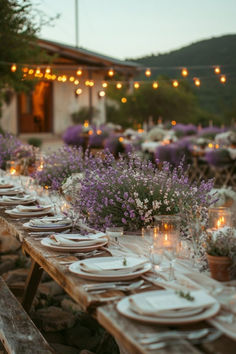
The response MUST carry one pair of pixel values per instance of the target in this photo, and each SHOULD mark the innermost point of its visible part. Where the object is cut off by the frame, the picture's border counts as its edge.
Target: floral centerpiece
(221, 253)
(26, 156)
(129, 192)
(8, 145)
(59, 165)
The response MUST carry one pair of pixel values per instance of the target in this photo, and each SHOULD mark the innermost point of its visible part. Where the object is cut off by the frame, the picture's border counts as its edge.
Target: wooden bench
(18, 333)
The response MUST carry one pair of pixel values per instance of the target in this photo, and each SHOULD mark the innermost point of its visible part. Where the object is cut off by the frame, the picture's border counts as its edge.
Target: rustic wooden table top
(103, 307)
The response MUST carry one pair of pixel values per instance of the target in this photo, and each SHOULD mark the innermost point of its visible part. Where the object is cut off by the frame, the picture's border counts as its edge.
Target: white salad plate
(47, 242)
(177, 318)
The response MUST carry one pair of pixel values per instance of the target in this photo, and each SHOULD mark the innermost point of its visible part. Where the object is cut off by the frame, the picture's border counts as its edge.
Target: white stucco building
(47, 110)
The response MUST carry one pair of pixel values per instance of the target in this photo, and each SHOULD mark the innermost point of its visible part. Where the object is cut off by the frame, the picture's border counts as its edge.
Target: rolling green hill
(200, 59)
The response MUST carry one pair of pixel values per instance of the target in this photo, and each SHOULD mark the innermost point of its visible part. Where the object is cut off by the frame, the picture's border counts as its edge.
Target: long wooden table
(125, 331)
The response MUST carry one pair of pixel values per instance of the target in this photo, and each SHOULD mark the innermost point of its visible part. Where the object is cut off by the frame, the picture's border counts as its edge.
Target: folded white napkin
(62, 241)
(166, 300)
(78, 237)
(114, 265)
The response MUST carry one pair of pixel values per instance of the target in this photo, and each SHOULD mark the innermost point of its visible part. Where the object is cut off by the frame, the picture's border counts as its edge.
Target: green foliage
(171, 104)
(37, 142)
(18, 29)
(83, 114)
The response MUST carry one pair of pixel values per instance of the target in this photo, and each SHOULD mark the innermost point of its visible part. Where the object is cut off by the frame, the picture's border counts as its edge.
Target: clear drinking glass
(114, 233)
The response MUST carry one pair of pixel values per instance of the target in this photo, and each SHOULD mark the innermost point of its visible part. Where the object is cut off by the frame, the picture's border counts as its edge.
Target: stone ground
(66, 328)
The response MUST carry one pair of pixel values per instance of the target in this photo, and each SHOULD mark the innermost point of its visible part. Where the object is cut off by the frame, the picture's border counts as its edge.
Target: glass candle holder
(219, 217)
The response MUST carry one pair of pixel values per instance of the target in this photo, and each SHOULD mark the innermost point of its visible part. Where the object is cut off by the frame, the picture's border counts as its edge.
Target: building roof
(81, 56)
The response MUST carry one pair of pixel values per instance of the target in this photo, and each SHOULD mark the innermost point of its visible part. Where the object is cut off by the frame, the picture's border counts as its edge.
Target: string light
(54, 77)
(37, 71)
(223, 79)
(104, 84)
(31, 71)
(78, 91)
(71, 79)
(173, 122)
(136, 85)
(124, 100)
(111, 72)
(25, 70)
(90, 132)
(121, 139)
(217, 70)
(148, 72)
(76, 82)
(13, 68)
(175, 83)
(155, 85)
(79, 72)
(118, 85)
(48, 70)
(184, 72)
(99, 132)
(87, 83)
(101, 94)
(197, 82)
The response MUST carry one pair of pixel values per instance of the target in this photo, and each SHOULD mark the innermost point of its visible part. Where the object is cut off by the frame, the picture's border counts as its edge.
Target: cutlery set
(156, 341)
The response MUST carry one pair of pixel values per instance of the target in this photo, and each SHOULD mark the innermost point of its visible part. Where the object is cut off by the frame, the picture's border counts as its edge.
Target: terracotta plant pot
(219, 267)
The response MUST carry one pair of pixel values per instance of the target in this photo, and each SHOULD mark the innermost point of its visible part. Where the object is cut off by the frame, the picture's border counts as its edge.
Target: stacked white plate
(48, 223)
(18, 199)
(28, 211)
(75, 242)
(10, 191)
(168, 307)
(111, 268)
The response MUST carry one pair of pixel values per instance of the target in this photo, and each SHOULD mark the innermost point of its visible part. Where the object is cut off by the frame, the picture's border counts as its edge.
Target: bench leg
(31, 285)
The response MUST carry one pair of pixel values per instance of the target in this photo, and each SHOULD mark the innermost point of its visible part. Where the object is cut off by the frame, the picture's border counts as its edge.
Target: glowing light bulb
(111, 72)
(78, 91)
(148, 72)
(90, 132)
(87, 83)
(48, 70)
(136, 85)
(173, 122)
(79, 72)
(64, 78)
(86, 124)
(37, 71)
(197, 82)
(217, 70)
(184, 72)
(155, 85)
(118, 85)
(72, 79)
(99, 132)
(124, 100)
(104, 84)
(25, 70)
(121, 139)
(76, 82)
(54, 77)
(102, 93)
(175, 83)
(13, 68)
(223, 79)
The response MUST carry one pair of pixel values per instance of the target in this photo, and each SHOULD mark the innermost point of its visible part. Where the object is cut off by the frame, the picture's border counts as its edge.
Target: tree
(179, 104)
(18, 44)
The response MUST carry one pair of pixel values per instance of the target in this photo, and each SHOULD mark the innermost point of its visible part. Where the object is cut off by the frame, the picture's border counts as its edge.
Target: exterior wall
(9, 116)
(64, 103)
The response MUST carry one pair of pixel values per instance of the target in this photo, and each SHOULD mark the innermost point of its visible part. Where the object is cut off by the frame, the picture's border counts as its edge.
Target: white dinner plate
(6, 186)
(124, 309)
(10, 191)
(76, 269)
(16, 214)
(46, 227)
(21, 201)
(47, 243)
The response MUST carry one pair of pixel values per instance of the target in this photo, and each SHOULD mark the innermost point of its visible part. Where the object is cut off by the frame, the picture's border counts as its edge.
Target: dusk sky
(134, 28)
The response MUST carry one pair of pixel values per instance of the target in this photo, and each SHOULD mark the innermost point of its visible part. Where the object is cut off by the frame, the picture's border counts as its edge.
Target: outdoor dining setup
(145, 251)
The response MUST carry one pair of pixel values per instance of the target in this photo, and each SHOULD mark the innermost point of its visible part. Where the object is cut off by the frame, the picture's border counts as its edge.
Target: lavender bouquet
(130, 192)
(8, 145)
(59, 165)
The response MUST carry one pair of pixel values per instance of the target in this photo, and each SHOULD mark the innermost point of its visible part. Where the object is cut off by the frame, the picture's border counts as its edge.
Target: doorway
(35, 109)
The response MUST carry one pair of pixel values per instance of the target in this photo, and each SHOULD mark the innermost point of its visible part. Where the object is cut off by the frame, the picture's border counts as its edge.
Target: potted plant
(221, 253)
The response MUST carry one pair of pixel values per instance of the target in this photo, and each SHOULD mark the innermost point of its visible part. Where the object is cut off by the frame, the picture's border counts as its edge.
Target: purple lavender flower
(218, 157)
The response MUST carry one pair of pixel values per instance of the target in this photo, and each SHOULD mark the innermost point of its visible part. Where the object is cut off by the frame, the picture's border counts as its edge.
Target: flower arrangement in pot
(221, 253)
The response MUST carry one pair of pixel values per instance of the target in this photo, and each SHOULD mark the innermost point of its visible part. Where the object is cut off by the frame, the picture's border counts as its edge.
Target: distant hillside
(213, 96)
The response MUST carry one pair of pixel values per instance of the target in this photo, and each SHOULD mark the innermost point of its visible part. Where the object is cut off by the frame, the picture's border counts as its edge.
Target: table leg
(31, 285)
